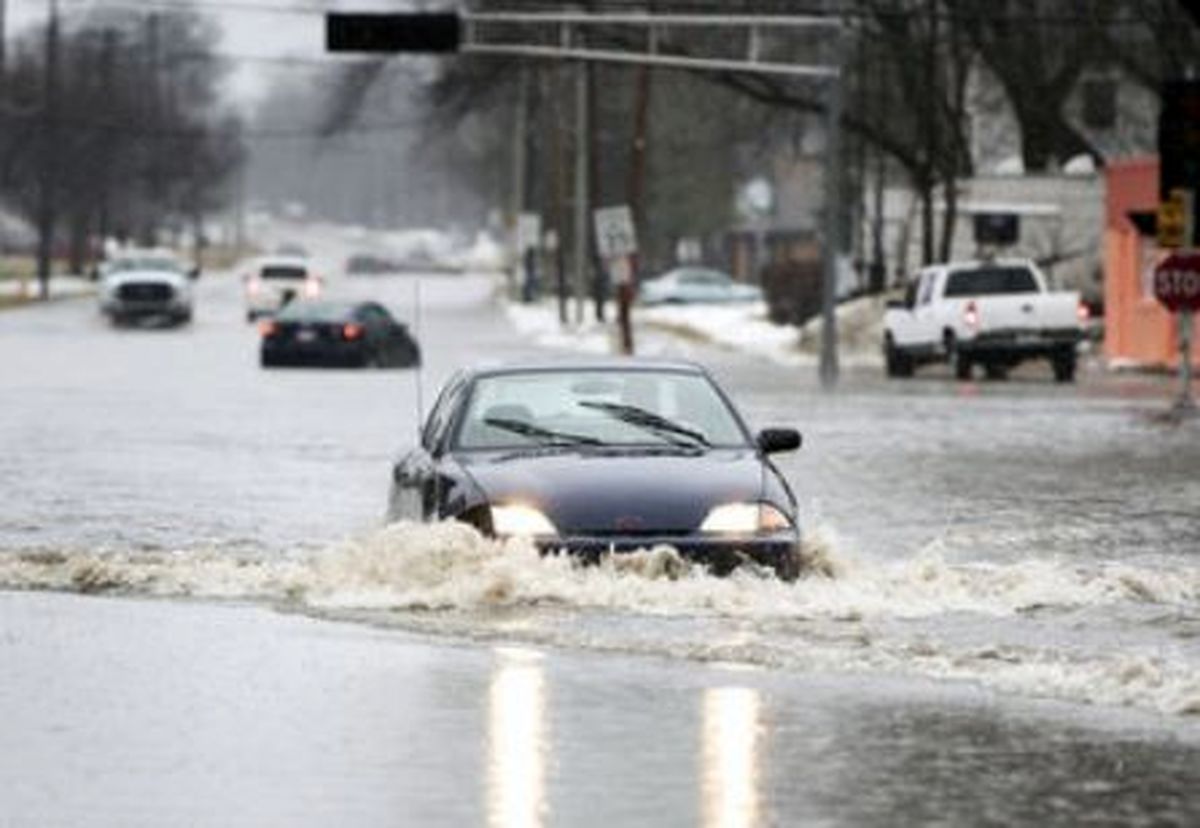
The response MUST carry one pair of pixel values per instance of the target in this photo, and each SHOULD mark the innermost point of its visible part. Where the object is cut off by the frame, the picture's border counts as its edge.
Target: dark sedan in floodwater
(593, 458)
(348, 335)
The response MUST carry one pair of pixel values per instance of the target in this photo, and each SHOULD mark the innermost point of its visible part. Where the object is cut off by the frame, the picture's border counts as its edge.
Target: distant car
(605, 457)
(143, 284)
(694, 285)
(292, 249)
(363, 264)
(270, 282)
(337, 334)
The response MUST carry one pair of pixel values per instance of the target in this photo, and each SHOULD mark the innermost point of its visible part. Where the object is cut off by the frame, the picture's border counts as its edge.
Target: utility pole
(48, 161)
(833, 200)
(108, 59)
(3, 43)
(582, 195)
(558, 196)
(517, 193)
(151, 145)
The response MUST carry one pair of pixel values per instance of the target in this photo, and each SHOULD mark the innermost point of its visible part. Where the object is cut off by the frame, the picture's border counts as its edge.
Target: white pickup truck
(991, 313)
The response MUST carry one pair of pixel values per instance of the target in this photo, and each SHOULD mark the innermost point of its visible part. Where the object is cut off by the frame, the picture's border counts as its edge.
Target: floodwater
(1002, 624)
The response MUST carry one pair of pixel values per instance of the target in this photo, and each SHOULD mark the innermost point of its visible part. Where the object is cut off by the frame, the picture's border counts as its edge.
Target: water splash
(848, 613)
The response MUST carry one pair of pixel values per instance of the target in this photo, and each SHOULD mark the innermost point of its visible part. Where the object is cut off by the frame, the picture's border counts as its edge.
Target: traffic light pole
(1185, 405)
(560, 36)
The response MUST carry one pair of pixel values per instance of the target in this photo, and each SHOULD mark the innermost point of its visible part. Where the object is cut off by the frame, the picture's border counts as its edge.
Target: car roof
(586, 364)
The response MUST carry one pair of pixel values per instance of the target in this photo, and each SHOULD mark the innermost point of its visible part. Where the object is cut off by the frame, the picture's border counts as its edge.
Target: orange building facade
(1137, 329)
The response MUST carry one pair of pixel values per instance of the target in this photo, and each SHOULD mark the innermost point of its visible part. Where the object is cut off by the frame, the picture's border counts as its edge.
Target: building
(1138, 331)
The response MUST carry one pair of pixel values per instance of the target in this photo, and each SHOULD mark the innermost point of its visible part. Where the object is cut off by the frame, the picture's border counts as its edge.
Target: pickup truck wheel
(960, 363)
(1064, 367)
(996, 371)
(898, 363)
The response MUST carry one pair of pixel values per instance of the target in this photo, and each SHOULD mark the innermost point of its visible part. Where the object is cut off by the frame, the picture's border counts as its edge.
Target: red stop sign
(1177, 281)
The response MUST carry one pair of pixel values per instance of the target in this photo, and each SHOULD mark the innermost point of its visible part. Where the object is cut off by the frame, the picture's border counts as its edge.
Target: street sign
(1177, 282)
(1173, 223)
(529, 231)
(615, 236)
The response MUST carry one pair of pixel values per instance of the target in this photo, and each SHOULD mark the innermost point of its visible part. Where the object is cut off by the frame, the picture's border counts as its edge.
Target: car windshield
(598, 407)
(985, 280)
(162, 263)
(314, 312)
(283, 272)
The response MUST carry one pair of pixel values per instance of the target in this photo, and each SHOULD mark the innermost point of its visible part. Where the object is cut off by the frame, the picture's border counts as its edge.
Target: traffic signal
(390, 33)
(1179, 137)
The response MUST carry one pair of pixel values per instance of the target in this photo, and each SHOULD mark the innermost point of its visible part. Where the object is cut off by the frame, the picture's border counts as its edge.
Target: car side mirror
(194, 273)
(775, 440)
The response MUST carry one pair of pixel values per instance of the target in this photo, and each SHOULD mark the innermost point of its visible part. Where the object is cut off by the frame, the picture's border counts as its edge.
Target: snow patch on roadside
(61, 287)
(741, 327)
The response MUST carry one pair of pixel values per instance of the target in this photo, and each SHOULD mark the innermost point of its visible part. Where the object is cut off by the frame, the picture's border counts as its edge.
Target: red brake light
(1083, 312)
(268, 328)
(351, 331)
(971, 315)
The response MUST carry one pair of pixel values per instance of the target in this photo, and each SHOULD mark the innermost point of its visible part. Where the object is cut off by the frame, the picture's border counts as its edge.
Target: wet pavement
(1010, 631)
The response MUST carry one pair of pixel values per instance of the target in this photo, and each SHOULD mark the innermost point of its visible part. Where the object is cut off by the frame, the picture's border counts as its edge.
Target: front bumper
(720, 555)
(124, 309)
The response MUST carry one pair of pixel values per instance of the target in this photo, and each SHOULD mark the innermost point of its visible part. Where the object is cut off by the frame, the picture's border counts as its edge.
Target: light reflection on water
(517, 740)
(729, 792)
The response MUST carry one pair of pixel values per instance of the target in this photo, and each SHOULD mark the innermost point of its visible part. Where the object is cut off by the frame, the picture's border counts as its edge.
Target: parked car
(272, 281)
(337, 334)
(689, 285)
(368, 264)
(991, 313)
(594, 458)
(146, 284)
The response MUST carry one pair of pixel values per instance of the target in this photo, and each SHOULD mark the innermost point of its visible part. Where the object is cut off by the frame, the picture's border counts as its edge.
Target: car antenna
(420, 351)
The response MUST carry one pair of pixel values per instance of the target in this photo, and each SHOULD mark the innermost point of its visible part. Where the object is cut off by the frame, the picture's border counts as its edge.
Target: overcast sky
(252, 29)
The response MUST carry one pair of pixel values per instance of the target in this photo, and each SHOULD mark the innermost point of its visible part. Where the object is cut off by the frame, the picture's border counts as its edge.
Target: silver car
(142, 284)
(693, 285)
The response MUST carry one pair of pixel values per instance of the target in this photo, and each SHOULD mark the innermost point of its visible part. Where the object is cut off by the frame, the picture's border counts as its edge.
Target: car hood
(600, 492)
(141, 277)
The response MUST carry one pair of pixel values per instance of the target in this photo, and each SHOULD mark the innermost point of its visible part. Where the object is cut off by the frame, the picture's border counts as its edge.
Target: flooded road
(1004, 627)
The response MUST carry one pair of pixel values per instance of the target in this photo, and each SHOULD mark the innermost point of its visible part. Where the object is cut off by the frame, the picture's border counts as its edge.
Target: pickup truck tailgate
(1027, 312)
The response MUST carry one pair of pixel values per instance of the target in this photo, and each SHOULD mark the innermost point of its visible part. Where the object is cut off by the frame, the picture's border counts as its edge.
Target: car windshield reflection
(598, 408)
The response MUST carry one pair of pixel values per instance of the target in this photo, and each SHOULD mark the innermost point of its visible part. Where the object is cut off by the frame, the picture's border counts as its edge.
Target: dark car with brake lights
(337, 334)
(604, 457)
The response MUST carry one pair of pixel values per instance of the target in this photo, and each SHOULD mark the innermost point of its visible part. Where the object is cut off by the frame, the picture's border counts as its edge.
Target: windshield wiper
(650, 421)
(546, 436)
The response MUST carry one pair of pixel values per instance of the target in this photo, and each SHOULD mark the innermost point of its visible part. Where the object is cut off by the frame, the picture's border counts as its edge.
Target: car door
(416, 485)
(926, 334)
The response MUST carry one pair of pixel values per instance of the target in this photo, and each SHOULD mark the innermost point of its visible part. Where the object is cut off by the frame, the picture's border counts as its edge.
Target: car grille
(145, 292)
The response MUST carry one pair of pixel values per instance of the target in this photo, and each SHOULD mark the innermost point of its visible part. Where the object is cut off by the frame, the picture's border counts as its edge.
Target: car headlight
(745, 519)
(519, 519)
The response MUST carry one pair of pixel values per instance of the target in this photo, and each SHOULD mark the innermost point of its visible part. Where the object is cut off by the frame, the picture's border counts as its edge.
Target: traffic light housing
(388, 33)
(1179, 137)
